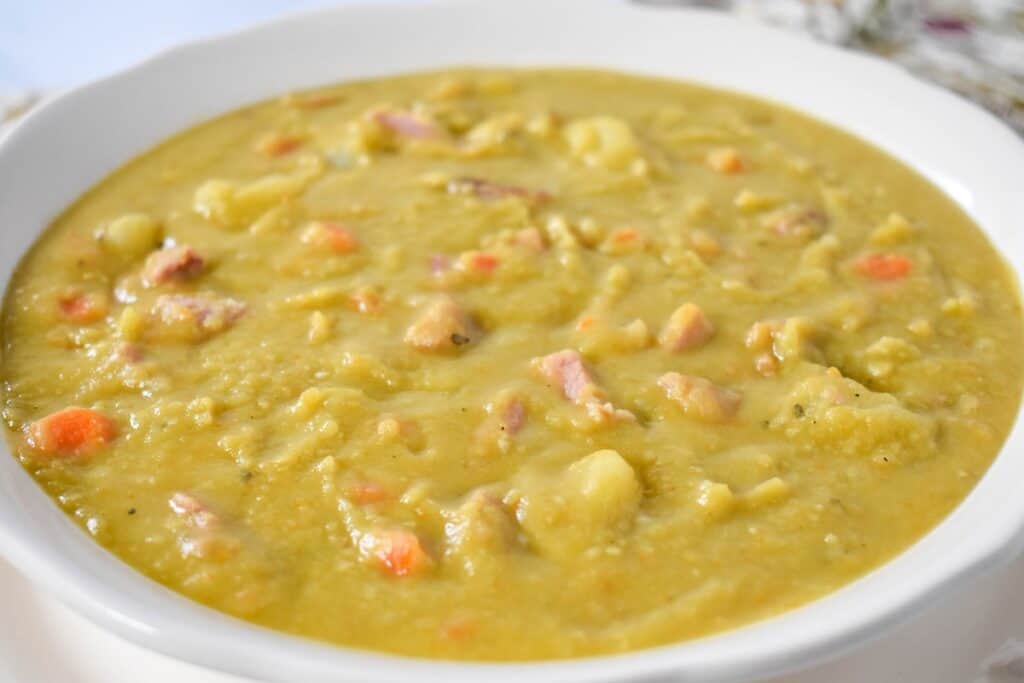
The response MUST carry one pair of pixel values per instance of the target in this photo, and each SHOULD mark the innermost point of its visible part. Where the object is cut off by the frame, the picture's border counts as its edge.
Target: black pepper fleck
(131, 511)
(798, 410)
(459, 339)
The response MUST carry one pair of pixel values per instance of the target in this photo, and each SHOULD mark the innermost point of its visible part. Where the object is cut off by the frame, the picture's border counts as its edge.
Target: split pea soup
(505, 365)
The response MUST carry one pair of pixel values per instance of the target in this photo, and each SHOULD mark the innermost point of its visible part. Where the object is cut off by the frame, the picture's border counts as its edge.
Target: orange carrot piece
(277, 144)
(82, 308)
(585, 323)
(883, 266)
(333, 236)
(72, 431)
(459, 628)
(367, 492)
(400, 553)
(624, 236)
(725, 160)
(365, 300)
(484, 261)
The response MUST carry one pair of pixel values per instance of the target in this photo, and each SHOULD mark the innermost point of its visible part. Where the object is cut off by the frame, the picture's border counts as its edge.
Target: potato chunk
(830, 411)
(606, 484)
(602, 141)
(131, 235)
(588, 504)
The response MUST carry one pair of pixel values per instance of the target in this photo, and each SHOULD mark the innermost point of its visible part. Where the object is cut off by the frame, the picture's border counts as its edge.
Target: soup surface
(508, 365)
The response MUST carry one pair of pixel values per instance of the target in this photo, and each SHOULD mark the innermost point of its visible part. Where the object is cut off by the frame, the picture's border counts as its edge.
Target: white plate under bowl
(66, 146)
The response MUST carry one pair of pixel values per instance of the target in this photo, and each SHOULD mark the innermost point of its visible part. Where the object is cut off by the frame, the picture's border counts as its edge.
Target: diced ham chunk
(513, 416)
(488, 190)
(194, 511)
(479, 531)
(127, 352)
(687, 328)
(207, 314)
(566, 370)
(530, 238)
(408, 125)
(506, 416)
(439, 264)
(700, 398)
(441, 326)
(83, 307)
(796, 221)
(172, 264)
(204, 533)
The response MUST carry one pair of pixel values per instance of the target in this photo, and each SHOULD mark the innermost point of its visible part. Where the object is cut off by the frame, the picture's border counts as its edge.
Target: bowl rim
(180, 628)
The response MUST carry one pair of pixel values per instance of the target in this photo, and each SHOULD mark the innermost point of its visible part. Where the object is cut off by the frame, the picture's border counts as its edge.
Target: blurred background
(975, 47)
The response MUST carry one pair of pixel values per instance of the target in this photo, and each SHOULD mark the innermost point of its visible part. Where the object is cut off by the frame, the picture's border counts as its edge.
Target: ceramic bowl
(63, 148)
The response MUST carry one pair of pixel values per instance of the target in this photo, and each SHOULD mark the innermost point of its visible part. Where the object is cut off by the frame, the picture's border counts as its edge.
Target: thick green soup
(510, 364)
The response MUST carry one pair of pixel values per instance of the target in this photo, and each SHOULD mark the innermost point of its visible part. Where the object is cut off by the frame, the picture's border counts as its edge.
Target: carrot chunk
(367, 492)
(399, 552)
(484, 262)
(333, 236)
(624, 236)
(72, 431)
(883, 266)
(277, 144)
(725, 160)
(82, 308)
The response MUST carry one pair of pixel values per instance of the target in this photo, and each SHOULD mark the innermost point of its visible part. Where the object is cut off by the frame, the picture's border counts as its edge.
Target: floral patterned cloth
(974, 47)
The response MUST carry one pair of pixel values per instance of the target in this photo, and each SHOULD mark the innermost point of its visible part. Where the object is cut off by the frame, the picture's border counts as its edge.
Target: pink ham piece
(530, 238)
(513, 417)
(700, 398)
(506, 416)
(489, 191)
(687, 328)
(566, 371)
(440, 264)
(207, 313)
(127, 352)
(441, 326)
(175, 264)
(408, 125)
(194, 511)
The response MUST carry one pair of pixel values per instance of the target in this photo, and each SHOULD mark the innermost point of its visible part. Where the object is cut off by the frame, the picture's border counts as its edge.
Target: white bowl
(65, 147)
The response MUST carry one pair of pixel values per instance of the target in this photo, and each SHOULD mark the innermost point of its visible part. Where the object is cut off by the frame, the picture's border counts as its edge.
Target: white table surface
(976, 636)
(55, 44)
